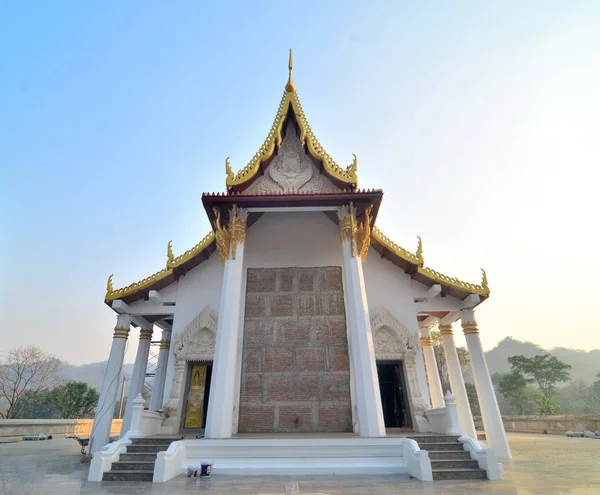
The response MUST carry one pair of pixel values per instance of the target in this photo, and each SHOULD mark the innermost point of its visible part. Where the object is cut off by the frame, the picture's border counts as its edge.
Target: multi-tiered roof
(344, 188)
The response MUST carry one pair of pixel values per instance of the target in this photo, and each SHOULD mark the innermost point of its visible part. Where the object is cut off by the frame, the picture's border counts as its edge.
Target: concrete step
(439, 455)
(434, 438)
(441, 446)
(147, 449)
(136, 457)
(154, 440)
(459, 474)
(453, 464)
(121, 465)
(128, 476)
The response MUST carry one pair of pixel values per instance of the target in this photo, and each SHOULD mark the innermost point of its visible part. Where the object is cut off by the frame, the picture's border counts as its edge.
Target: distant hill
(92, 373)
(585, 364)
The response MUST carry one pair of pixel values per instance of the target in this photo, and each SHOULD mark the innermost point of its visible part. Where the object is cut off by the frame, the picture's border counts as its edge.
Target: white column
(360, 337)
(219, 419)
(137, 378)
(158, 388)
(433, 377)
(490, 413)
(457, 382)
(100, 434)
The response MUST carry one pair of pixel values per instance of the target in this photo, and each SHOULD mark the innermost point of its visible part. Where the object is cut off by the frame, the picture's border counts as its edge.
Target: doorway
(197, 390)
(394, 397)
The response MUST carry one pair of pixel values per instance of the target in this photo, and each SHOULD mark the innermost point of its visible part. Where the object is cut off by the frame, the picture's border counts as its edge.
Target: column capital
(145, 334)
(424, 329)
(426, 341)
(122, 326)
(446, 330)
(467, 321)
(164, 344)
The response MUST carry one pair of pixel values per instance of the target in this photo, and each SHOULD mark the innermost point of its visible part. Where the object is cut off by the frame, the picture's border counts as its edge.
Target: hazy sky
(480, 120)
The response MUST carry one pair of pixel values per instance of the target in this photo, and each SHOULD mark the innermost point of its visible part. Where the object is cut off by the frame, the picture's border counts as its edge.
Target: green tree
(545, 371)
(513, 387)
(74, 400)
(36, 405)
(592, 399)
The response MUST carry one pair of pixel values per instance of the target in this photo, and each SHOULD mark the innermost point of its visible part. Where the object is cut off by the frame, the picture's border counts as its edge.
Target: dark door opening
(196, 396)
(394, 398)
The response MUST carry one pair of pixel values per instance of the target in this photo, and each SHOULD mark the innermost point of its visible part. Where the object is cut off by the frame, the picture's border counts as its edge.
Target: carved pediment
(291, 170)
(197, 340)
(391, 339)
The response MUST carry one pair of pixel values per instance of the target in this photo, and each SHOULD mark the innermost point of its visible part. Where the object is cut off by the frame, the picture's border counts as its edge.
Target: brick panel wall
(295, 368)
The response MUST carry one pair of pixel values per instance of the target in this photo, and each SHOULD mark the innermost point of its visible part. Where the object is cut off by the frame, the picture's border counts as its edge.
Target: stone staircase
(449, 461)
(137, 464)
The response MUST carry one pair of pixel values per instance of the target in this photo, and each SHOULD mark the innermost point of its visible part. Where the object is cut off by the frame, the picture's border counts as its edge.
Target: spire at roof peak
(290, 87)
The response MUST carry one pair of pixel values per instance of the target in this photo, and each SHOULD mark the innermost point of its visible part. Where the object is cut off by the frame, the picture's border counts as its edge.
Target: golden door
(194, 411)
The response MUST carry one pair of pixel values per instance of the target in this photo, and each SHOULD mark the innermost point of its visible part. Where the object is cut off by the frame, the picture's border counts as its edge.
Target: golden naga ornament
(230, 236)
(419, 253)
(170, 255)
(222, 236)
(484, 281)
(363, 235)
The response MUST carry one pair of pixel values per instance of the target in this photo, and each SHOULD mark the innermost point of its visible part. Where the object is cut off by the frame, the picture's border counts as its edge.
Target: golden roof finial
(228, 171)
(419, 253)
(109, 285)
(170, 255)
(290, 87)
(484, 282)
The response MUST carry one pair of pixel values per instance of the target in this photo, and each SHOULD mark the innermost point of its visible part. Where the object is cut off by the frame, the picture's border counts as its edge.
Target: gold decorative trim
(136, 286)
(446, 330)
(164, 344)
(174, 262)
(454, 282)
(229, 236)
(363, 235)
(470, 328)
(237, 230)
(145, 334)
(274, 139)
(426, 341)
(381, 238)
(121, 333)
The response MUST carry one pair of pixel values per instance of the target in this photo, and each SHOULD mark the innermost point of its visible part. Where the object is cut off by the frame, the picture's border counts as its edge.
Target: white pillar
(137, 378)
(360, 341)
(100, 434)
(433, 377)
(219, 418)
(457, 382)
(490, 413)
(158, 388)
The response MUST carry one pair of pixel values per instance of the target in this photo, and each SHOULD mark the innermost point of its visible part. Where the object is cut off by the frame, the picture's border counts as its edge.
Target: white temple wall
(390, 287)
(196, 289)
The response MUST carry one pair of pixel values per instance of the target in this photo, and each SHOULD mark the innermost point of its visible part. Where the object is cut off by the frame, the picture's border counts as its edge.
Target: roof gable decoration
(274, 139)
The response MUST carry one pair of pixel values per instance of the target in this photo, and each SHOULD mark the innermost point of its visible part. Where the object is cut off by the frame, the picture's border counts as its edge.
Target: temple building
(296, 315)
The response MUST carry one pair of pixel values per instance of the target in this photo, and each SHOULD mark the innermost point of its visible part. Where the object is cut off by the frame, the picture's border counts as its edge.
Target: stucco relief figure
(393, 341)
(291, 169)
(195, 343)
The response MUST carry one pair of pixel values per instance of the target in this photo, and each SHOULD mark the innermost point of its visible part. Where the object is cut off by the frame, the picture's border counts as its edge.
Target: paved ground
(541, 465)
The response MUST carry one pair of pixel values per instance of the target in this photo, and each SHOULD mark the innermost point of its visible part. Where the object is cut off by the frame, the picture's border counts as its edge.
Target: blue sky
(478, 119)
